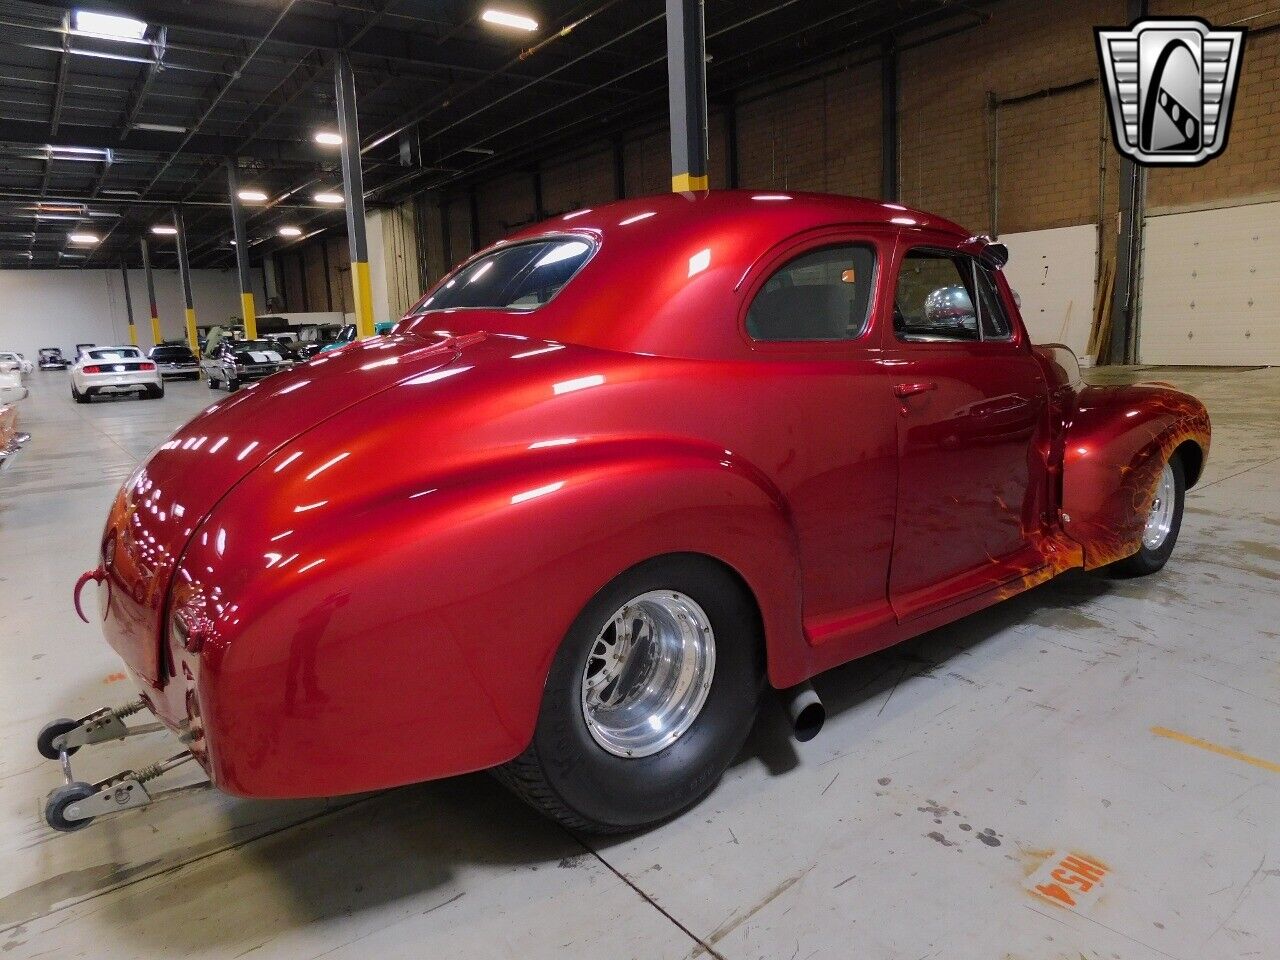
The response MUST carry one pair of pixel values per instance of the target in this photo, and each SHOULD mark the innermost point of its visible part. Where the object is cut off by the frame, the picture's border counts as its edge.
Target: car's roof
(667, 269)
(784, 211)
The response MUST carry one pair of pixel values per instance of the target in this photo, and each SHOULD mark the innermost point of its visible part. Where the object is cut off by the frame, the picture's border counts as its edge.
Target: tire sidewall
(1153, 560)
(633, 791)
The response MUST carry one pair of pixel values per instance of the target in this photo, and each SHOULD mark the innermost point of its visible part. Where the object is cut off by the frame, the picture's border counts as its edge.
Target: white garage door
(1053, 273)
(1211, 287)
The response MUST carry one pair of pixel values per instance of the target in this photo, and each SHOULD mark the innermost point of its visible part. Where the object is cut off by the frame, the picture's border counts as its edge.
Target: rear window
(523, 276)
(123, 353)
(172, 353)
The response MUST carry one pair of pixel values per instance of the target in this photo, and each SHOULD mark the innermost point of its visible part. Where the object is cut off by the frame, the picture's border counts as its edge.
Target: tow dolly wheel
(50, 732)
(55, 807)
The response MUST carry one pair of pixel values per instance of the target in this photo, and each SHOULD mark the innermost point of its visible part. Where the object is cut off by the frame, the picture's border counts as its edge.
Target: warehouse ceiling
(104, 135)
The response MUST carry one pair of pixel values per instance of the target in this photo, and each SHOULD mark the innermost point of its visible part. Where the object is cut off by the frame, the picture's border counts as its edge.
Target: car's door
(816, 313)
(971, 409)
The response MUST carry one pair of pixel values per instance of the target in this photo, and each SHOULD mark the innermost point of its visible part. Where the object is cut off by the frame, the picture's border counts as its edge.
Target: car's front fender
(1117, 441)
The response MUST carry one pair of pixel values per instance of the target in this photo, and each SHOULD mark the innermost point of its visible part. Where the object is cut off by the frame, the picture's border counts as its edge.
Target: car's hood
(170, 494)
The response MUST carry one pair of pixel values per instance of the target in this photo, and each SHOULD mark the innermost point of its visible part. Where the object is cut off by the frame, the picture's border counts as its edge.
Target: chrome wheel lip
(1160, 519)
(648, 674)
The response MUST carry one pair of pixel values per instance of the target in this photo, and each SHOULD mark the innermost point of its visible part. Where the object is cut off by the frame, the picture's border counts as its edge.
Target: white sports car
(11, 386)
(23, 364)
(102, 370)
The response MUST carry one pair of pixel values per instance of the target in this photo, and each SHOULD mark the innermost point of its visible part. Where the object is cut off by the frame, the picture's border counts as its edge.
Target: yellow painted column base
(193, 338)
(156, 335)
(133, 334)
(250, 316)
(688, 183)
(362, 287)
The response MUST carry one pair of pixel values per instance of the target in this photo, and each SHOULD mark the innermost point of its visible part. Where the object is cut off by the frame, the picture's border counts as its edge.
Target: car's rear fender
(1116, 443)
(408, 634)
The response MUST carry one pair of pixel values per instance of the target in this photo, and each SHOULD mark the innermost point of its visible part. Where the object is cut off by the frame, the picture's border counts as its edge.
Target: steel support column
(1124, 295)
(151, 291)
(889, 187)
(184, 273)
(242, 253)
(353, 187)
(687, 94)
(128, 304)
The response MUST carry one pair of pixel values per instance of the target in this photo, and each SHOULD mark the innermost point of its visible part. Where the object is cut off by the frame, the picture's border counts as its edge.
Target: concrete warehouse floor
(1132, 723)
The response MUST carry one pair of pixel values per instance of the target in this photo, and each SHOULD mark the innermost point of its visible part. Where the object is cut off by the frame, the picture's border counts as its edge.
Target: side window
(995, 322)
(934, 300)
(821, 295)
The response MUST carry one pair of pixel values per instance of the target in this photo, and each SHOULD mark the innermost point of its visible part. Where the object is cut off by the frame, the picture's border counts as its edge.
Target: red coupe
(610, 479)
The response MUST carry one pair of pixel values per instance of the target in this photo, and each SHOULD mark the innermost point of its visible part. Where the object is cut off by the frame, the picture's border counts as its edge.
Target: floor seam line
(702, 944)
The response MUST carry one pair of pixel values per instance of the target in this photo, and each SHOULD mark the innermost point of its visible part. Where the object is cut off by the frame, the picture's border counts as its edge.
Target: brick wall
(1055, 166)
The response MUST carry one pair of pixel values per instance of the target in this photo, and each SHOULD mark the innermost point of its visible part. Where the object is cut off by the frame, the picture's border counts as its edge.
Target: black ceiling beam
(38, 133)
(301, 29)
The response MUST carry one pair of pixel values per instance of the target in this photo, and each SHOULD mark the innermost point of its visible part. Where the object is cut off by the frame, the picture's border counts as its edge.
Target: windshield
(172, 353)
(256, 345)
(118, 353)
(519, 277)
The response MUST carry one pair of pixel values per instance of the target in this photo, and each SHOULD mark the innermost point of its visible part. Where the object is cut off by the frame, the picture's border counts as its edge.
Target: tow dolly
(76, 804)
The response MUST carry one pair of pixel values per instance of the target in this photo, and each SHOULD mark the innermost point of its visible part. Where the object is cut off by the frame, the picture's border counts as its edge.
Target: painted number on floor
(1068, 880)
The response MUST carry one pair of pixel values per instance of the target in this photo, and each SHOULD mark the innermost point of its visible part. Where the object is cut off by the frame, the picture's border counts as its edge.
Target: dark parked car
(175, 361)
(233, 362)
(51, 358)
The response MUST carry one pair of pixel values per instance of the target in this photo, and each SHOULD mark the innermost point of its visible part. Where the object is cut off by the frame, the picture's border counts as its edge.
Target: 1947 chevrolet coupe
(610, 479)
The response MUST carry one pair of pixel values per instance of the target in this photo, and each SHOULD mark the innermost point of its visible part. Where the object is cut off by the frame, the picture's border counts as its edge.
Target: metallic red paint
(356, 573)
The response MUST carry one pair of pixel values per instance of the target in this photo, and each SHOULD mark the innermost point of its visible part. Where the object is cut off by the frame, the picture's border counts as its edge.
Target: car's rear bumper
(128, 382)
(180, 373)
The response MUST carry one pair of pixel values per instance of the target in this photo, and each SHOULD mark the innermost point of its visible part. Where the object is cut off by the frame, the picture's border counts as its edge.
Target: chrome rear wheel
(648, 674)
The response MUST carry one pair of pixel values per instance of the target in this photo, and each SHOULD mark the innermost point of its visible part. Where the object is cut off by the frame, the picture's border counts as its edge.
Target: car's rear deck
(1130, 724)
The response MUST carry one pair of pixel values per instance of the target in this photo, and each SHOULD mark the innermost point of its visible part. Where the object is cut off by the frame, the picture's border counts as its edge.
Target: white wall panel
(1211, 287)
(1053, 272)
(60, 308)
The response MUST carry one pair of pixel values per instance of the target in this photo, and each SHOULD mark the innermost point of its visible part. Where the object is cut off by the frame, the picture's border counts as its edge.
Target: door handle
(904, 390)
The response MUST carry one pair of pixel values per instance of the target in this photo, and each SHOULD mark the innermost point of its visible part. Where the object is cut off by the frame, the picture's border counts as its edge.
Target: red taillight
(147, 366)
(93, 368)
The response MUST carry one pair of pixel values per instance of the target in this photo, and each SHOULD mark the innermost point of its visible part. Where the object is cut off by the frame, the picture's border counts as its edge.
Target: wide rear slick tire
(1149, 560)
(569, 776)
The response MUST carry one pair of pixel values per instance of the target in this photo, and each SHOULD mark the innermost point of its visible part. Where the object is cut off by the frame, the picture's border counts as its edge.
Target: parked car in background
(346, 335)
(610, 480)
(100, 371)
(312, 338)
(175, 361)
(51, 358)
(12, 440)
(11, 386)
(233, 362)
(286, 343)
(22, 364)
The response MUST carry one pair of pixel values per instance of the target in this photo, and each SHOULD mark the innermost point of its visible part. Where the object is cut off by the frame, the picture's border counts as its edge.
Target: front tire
(1160, 533)
(676, 640)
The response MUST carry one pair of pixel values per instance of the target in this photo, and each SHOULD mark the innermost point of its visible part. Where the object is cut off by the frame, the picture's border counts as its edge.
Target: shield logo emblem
(1171, 86)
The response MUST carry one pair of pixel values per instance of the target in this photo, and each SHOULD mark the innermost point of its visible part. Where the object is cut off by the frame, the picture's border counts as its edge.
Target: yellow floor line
(1215, 748)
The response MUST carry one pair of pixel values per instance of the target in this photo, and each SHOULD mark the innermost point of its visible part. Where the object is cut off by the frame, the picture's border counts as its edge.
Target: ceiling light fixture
(109, 25)
(515, 21)
(326, 196)
(328, 138)
(290, 232)
(164, 230)
(160, 127)
(252, 196)
(82, 237)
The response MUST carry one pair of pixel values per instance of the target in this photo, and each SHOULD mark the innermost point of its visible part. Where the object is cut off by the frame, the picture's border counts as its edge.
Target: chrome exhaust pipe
(805, 710)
